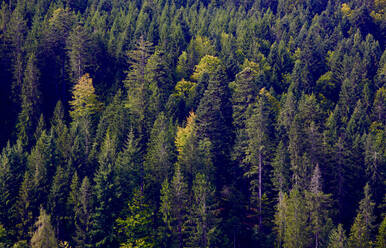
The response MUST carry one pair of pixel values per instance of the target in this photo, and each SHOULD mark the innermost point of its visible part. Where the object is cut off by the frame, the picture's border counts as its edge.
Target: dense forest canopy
(192, 123)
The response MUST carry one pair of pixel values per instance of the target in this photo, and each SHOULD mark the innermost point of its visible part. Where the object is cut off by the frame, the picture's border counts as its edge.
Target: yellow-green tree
(85, 102)
(44, 235)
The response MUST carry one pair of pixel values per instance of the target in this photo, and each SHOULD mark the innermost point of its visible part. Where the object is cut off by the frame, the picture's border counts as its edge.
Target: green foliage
(216, 112)
(362, 228)
(137, 226)
(174, 200)
(337, 238)
(84, 103)
(202, 221)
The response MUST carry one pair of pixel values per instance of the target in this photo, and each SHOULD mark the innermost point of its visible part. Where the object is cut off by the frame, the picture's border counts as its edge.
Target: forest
(192, 123)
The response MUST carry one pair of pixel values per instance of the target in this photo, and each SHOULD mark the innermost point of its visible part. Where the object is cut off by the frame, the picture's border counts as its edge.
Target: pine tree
(362, 228)
(337, 238)
(44, 236)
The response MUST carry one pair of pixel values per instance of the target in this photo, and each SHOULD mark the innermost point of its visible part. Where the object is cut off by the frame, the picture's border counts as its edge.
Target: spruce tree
(160, 154)
(57, 200)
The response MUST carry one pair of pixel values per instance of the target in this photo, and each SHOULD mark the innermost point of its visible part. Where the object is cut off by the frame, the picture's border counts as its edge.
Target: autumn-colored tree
(85, 102)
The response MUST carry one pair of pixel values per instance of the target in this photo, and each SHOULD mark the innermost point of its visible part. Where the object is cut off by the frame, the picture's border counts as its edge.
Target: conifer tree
(318, 207)
(44, 236)
(103, 217)
(280, 218)
(202, 221)
(337, 238)
(57, 198)
(159, 158)
(174, 208)
(281, 169)
(194, 155)
(82, 216)
(296, 232)
(81, 51)
(259, 148)
(136, 84)
(361, 232)
(381, 237)
(85, 103)
(137, 226)
(29, 115)
(214, 114)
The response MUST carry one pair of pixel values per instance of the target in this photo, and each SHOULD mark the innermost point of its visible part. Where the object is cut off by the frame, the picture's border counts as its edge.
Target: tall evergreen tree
(318, 205)
(136, 84)
(202, 221)
(174, 208)
(137, 226)
(337, 238)
(361, 232)
(30, 111)
(260, 145)
(83, 208)
(44, 236)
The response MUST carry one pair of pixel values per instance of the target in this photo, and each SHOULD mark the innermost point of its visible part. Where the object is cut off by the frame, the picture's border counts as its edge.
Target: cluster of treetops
(192, 123)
